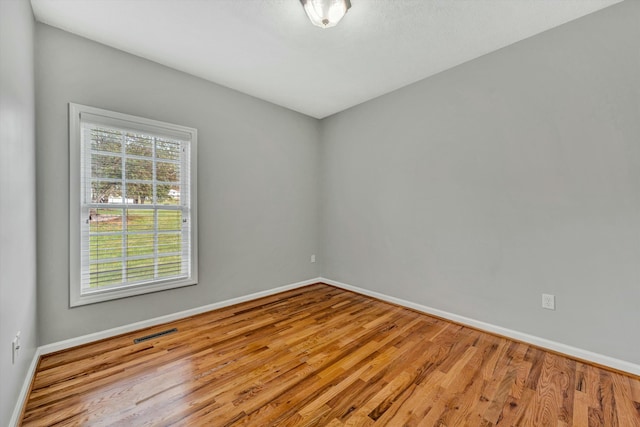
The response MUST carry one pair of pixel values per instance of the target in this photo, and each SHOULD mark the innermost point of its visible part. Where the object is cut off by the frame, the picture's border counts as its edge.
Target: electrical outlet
(313, 258)
(15, 347)
(549, 301)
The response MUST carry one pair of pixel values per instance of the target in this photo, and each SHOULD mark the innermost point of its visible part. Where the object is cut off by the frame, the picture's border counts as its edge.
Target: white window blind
(136, 191)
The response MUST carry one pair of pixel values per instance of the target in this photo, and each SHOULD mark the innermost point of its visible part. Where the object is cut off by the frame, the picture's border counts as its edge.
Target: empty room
(320, 212)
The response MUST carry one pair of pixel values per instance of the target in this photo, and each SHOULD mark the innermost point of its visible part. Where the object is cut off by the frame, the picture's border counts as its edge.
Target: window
(132, 213)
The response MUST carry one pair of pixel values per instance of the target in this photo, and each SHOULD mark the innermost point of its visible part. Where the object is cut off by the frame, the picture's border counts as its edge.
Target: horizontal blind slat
(97, 120)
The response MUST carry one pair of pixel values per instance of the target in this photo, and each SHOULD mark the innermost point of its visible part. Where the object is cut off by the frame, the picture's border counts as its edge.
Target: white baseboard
(26, 385)
(586, 355)
(84, 339)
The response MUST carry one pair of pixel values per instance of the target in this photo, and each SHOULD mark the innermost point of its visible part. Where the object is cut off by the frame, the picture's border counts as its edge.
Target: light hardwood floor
(319, 355)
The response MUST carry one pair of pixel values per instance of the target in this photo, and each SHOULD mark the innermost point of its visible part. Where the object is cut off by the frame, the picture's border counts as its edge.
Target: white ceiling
(269, 49)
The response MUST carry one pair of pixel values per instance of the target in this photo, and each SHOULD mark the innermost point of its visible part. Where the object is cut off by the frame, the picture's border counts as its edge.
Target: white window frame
(77, 208)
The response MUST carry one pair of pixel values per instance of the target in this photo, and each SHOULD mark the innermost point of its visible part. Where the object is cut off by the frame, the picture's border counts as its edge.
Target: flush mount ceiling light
(325, 13)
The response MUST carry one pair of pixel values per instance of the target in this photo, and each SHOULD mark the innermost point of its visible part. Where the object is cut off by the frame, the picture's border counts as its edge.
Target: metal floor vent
(156, 335)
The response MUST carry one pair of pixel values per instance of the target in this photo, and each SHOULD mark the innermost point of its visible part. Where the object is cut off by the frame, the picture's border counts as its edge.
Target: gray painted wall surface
(518, 173)
(17, 199)
(257, 181)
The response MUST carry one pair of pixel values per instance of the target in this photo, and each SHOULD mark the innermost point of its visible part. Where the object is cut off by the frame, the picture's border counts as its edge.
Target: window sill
(93, 297)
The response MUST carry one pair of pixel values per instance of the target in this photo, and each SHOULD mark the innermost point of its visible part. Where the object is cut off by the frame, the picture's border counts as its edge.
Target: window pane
(140, 219)
(138, 144)
(140, 194)
(106, 140)
(168, 194)
(167, 149)
(103, 166)
(105, 220)
(169, 266)
(106, 192)
(169, 242)
(167, 172)
(139, 169)
(140, 269)
(169, 220)
(105, 246)
(105, 274)
(140, 244)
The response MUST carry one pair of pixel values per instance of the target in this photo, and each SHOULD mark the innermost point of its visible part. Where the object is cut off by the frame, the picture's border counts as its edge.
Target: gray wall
(17, 199)
(473, 191)
(518, 173)
(257, 181)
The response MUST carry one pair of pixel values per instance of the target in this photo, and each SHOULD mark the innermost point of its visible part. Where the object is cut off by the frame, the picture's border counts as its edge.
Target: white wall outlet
(549, 301)
(313, 258)
(15, 347)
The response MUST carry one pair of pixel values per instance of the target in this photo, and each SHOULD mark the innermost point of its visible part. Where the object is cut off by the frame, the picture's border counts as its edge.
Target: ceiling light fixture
(325, 13)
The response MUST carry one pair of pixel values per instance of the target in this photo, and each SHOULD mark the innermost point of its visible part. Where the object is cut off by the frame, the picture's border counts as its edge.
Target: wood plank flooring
(319, 355)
